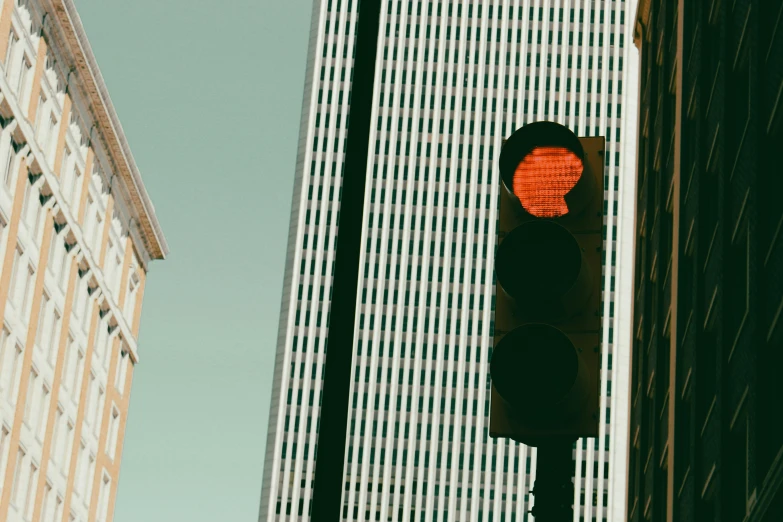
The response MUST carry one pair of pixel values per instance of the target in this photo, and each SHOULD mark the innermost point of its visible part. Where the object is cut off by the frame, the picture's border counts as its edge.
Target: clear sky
(209, 95)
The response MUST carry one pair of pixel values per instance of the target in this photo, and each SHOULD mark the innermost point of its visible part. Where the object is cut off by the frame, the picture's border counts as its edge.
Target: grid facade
(706, 439)
(73, 255)
(452, 80)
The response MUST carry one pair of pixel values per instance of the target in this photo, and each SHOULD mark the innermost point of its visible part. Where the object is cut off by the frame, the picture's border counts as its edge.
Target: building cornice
(107, 123)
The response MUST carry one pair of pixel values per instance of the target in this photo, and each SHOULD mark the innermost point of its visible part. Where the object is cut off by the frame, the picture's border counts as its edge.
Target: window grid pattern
(452, 80)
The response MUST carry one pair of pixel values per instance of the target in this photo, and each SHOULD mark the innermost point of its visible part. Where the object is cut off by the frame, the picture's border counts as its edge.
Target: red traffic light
(545, 366)
(542, 179)
(542, 167)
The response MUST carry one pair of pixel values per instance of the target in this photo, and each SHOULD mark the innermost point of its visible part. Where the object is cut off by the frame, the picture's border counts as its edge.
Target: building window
(21, 83)
(42, 409)
(42, 317)
(122, 371)
(30, 398)
(103, 499)
(130, 296)
(114, 430)
(17, 487)
(9, 53)
(15, 283)
(5, 435)
(58, 432)
(10, 159)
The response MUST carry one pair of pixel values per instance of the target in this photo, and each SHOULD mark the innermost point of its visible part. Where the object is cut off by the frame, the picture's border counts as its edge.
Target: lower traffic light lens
(534, 368)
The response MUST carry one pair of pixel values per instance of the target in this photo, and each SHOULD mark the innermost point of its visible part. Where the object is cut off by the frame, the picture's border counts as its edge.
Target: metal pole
(554, 487)
(333, 419)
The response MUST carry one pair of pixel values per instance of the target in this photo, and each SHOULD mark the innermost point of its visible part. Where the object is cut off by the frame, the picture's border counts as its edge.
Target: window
(82, 465)
(42, 318)
(74, 190)
(11, 372)
(96, 234)
(122, 371)
(98, 410)
(89, 405)
(5, 435)
(32, 393)
(48, 503)
(116, 273)
(42, 410)
(87, 487)
(58, 432)
(15, 284)
(103, 499)
(82, 301)
(76, 375)
(67, 449)
(114, 430)
(16, 487)
(66, 168)
(86, 302)
(50, 139)
(54, 336)
(102, 342)
(9, 53)
(89, 224)
(58, 508)
(24, 75)
(61, 267)
(37, 128)
(69, 363)
(108, 269)
(6, 357)
(51, 262)
(29, 287)
(10, 159)
(130, 296)
(32, 209)
(29, 501)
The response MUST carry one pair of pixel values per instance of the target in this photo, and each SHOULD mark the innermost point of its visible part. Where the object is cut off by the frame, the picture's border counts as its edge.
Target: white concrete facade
(76, 237)
(452, 80)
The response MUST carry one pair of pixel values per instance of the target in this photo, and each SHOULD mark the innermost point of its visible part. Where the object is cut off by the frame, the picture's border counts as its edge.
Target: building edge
(293, 229)
(74, 40)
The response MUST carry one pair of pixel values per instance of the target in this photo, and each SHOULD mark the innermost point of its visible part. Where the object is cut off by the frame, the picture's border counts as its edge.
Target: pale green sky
(209, 94)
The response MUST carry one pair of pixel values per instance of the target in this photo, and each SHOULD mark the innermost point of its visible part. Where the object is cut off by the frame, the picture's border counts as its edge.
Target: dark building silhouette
(706, 413)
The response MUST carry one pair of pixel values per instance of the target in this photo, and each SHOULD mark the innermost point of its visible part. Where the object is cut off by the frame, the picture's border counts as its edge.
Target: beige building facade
(77, 234)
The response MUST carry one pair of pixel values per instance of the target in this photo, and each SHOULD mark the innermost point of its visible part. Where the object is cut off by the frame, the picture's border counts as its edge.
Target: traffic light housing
(545, 366)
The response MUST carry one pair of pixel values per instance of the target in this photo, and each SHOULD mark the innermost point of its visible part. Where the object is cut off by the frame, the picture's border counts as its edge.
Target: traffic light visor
(543, 178)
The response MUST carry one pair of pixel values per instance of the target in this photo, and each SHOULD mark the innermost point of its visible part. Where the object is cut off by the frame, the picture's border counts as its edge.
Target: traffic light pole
(333, 418)
(554, 487)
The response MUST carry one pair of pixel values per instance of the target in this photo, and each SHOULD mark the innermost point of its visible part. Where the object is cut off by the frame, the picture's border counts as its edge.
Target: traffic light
(545, 366)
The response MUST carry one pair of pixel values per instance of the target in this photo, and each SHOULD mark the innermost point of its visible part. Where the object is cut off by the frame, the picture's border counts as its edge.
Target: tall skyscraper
(77, 234)
(452, 80)
(706, 431)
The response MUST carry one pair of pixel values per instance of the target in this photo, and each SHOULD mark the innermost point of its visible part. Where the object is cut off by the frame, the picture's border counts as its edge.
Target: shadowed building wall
(706, 422)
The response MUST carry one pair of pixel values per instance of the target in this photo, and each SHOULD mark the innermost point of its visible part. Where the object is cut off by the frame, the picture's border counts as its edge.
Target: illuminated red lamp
(542, 166)
(543, 178)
